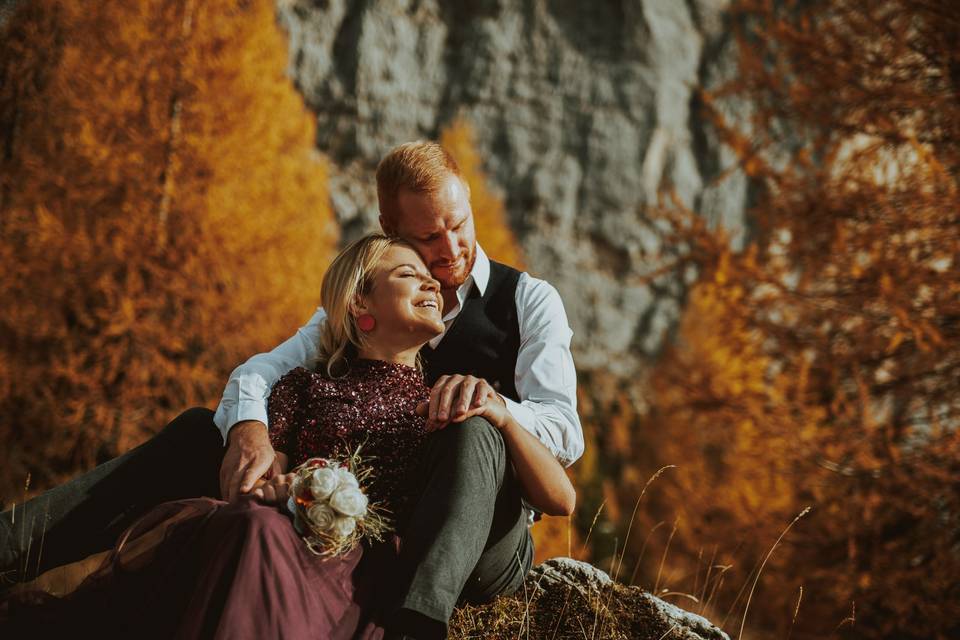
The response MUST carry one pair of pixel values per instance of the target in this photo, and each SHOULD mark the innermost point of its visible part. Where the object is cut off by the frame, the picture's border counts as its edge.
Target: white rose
(322, 482)
(349, 501)
(345, 478)
(321, 516)
(343, 527)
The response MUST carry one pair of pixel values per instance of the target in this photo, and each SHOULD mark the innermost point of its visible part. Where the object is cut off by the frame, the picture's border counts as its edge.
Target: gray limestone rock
(593, 584)
(584, 113)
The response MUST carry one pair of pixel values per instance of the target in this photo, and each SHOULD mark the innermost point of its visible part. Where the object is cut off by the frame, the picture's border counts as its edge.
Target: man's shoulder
(501, 271)
(539, 303)
(524, 278)
(538, 289)
(533, 294)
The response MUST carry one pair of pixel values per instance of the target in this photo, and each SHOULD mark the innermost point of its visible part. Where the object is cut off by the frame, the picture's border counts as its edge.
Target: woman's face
(405, 299)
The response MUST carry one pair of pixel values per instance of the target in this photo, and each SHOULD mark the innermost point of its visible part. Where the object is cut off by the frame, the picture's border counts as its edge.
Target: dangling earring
(366, 322)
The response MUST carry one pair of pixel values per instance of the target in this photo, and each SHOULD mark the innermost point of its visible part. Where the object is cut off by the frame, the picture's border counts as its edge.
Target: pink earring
(366, 322)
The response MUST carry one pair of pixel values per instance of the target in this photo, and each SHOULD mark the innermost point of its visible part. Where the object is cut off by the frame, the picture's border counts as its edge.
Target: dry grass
(615, 613)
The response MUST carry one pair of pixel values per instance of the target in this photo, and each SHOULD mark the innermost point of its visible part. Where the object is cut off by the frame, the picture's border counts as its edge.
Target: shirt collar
(479, 275)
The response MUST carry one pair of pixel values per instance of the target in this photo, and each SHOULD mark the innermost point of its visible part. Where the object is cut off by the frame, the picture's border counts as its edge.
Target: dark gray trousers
(87, 514)
(467, 537)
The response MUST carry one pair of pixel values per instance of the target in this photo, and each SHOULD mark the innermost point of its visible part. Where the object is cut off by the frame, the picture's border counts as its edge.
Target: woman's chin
(432, 328)
(429, 323)
(425, 329)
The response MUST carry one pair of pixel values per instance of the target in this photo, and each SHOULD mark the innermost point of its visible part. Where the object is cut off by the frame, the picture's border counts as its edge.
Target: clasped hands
(250, 464)
(456, 398)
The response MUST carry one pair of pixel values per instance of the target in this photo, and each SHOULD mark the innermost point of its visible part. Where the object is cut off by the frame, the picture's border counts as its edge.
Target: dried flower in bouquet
(328, 500)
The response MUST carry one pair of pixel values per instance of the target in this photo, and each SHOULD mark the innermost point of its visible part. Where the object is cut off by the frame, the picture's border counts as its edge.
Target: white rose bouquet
(330, 507)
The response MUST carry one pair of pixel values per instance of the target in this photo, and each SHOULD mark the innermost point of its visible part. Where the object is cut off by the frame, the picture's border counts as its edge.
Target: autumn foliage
(162, 216)
(820, 366)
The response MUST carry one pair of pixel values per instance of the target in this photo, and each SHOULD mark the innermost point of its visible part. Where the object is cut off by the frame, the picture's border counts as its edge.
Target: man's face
(440, 227)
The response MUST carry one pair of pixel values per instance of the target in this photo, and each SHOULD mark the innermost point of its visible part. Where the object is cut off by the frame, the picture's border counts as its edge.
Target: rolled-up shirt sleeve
(247, 390)
(545, 377)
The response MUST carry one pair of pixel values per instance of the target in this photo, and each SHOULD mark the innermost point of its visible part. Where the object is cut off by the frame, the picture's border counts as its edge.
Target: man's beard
(454, 280)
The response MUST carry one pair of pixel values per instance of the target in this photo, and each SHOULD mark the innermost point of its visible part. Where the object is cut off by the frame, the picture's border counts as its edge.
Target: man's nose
(449, 248)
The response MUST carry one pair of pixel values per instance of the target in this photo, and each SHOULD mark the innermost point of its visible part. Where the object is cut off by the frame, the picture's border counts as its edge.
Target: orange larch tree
(163, 215)
(819, 366)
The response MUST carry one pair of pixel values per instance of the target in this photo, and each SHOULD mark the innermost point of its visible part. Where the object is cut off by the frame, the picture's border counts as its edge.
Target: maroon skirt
(204, 568)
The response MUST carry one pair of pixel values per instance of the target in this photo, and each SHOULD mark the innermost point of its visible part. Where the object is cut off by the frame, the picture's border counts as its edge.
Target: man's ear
(388, 229)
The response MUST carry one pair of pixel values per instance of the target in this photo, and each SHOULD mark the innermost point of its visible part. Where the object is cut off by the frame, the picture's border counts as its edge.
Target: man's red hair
(419, 167)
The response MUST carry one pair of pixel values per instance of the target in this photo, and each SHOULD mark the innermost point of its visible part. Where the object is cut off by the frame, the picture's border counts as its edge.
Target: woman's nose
(430, 284)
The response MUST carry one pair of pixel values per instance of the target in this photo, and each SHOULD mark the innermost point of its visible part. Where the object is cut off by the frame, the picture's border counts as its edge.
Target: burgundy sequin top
(311, 415)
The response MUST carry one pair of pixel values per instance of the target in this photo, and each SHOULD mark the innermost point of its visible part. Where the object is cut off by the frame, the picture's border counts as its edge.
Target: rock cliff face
(583, 111)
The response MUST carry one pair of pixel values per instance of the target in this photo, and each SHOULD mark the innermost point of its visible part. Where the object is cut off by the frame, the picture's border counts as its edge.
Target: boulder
(564, 598)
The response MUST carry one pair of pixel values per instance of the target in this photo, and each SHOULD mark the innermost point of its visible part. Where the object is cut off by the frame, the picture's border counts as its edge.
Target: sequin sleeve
(285, 409)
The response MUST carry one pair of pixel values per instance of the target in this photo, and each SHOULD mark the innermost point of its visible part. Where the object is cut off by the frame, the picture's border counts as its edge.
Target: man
(502, 327)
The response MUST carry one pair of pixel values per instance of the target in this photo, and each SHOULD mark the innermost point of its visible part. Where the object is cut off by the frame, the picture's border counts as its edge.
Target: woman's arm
(545, 483)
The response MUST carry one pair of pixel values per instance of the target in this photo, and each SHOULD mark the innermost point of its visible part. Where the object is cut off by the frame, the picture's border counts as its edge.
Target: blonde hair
(349, 276)
(419, 167)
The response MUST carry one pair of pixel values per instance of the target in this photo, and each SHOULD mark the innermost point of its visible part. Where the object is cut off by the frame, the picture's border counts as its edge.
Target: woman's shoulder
(303, 378)
(358, 375)
(296, 375)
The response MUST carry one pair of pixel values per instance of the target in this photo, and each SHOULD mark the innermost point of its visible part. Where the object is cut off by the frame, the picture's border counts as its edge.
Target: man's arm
(247, 390)
(242, 413)
(545, 377)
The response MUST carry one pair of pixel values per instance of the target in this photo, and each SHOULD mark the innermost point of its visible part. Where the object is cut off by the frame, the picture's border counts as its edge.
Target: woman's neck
(406, 357)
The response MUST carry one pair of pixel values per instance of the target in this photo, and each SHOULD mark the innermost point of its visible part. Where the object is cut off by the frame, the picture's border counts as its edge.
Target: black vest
(485, 336)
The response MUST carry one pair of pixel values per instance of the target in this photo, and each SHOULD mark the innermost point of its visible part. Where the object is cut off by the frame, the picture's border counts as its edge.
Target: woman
(206, 568)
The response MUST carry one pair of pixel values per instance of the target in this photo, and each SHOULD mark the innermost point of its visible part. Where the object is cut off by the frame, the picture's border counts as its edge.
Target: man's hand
(456, 398)
(249, 457)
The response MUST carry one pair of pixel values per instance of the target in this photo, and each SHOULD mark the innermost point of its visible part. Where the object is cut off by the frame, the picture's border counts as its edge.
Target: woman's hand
(456, 398)
(276, 490)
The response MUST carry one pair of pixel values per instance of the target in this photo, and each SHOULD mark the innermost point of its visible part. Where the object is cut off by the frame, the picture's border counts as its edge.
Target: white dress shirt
(545, 377)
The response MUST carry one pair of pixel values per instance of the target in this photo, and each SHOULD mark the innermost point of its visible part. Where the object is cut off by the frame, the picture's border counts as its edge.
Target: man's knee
(468, 448)
(474, 435)
(192, 423)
